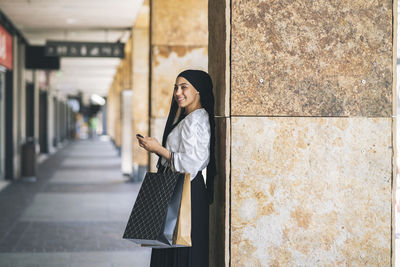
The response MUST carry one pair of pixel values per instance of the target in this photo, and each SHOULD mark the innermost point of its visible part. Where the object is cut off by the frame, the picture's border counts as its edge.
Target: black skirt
(197, 254)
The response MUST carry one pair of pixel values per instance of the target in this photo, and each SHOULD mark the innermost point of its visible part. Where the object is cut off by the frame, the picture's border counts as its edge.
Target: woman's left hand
(150, 144)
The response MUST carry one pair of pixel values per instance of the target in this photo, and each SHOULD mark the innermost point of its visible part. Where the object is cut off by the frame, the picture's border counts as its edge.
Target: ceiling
(76, 20)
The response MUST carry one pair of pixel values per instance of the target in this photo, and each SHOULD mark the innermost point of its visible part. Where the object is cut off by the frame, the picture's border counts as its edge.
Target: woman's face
(185, 94)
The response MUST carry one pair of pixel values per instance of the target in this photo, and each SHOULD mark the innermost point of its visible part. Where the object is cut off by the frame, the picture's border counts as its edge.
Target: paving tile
(3, 185)
(74, 215)
(79, 207)
(66, 237)
(136, 258)
(89, 161)
(88, 176)
(82, 187)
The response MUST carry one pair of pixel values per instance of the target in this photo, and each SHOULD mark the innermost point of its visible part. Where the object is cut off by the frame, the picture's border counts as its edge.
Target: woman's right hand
(152, 145)
(149, 143)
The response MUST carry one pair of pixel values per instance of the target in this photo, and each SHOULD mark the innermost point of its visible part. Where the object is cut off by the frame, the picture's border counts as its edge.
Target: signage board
(6, 48)
(84, 49)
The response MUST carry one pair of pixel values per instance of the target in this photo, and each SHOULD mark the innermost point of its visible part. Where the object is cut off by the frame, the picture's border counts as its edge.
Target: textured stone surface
(114, 112)
(143, 17)
(311, 192)
(157, 126)
(140, 105)
(312, 58)
(179, 22)
(167, 63)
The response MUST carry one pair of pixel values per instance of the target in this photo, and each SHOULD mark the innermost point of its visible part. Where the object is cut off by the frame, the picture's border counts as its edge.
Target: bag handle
(171, 164)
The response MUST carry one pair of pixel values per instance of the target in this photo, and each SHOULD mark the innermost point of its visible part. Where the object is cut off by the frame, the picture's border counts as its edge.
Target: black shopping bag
(154, 216)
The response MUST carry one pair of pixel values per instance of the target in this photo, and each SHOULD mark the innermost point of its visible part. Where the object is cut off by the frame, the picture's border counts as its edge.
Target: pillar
(140, 83)
(114, 109)
(219, 69)
(310, 123)
(16, 109)
(126, 110)
(179, 39)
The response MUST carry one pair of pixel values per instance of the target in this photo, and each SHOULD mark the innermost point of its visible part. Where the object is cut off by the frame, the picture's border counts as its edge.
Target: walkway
(74, 215)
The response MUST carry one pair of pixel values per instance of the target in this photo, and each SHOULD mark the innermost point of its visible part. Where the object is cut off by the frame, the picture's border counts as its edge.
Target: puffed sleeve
(194, 149)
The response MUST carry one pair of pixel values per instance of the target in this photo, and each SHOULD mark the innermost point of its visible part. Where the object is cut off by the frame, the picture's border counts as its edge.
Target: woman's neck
(188, 110)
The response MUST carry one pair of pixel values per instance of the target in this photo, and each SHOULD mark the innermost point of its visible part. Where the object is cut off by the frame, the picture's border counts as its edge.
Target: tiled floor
(74, 215)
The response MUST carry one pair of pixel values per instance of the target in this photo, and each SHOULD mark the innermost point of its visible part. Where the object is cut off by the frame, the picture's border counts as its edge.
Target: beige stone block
(167, 63)
(312, 58)
(157, 126)
(140, 78)
(179, 22)
(311, 191)
(140, 51)
(140, 118)
(143, 17)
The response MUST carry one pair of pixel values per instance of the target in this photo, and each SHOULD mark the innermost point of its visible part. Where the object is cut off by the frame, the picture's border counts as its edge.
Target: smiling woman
(186, 95)
(188, 147)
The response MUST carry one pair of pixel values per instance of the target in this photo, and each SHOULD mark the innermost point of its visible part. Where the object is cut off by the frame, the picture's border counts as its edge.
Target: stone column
(311, 131)
(114, 110)
(110, 113)
(125, 70)
(219, 69)
(140, 77)
(36, 107)
(118, 109)
(179, 39)
(16, 109)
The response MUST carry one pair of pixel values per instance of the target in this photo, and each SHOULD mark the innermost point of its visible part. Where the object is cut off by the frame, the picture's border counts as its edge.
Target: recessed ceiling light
(71, 20)
(96, 99)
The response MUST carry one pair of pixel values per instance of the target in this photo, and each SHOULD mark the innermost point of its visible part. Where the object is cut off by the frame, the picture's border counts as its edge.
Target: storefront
(5, 66)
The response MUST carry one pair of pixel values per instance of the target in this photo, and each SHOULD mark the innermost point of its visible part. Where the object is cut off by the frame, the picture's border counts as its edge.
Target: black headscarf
(202, 82)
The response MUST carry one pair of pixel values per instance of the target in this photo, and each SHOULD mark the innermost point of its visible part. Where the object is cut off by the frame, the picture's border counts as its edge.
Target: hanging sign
(84, 49)
(5, 49)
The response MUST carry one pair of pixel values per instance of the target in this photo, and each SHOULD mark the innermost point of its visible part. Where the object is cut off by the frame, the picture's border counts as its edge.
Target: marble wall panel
(179, 22)
(167, 63)
(311, 191)
(312, 58)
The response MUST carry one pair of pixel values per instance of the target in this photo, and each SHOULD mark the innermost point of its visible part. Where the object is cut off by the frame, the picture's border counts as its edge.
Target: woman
(188, 146)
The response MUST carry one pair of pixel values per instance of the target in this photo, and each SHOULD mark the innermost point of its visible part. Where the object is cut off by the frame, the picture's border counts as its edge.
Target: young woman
(188, 147)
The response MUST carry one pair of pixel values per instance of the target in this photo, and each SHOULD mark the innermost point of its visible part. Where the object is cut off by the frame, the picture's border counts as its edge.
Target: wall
(178, 41)
(311, 131)
(140, 77)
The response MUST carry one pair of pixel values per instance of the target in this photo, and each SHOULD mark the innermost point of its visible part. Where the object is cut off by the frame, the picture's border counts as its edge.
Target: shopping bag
(182, 236)
(154, 217)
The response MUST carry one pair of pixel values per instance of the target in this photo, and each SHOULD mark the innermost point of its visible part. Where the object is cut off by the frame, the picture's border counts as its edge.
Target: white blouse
(190, 142)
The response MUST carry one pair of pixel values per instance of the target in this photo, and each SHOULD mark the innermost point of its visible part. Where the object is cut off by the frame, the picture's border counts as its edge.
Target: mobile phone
(139, 135)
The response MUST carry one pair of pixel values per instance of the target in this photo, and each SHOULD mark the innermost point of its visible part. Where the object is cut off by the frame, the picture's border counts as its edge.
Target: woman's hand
(152, 145)
(149, 143)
